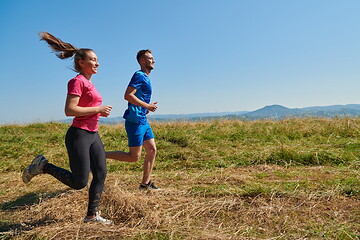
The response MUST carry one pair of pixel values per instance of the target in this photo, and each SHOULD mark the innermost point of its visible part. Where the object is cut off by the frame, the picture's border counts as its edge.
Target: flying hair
(62, 49)
(65, 50)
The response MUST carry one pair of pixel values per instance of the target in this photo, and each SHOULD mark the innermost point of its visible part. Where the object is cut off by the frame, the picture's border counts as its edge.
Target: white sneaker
(35, 168)
(99, 219)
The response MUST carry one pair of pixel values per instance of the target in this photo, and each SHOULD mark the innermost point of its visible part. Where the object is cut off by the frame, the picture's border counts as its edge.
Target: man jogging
(139, 132)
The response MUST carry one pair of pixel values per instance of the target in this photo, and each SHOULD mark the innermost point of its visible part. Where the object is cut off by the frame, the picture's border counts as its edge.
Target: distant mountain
(176, 117)
(269, 112)
(280, 112)
(273, 111)
(193, 117)
(335, 107)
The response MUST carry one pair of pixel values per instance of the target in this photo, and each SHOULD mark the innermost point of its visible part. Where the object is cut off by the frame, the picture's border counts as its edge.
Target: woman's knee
(100, 176)
(80, 184)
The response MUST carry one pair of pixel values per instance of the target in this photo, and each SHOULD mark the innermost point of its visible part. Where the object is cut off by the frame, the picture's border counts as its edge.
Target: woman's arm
(72, 108)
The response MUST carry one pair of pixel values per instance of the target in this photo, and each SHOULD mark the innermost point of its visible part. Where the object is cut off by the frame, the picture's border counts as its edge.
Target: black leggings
(86, 152)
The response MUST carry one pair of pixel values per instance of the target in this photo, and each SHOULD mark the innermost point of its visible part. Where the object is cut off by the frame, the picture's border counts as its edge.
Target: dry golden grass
(292, 179)
(191, 206)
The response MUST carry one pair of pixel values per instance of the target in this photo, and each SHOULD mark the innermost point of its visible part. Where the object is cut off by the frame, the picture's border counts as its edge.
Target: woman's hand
(105, 110)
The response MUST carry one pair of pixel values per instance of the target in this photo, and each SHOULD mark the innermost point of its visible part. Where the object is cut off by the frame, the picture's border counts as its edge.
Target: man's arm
(130, 97)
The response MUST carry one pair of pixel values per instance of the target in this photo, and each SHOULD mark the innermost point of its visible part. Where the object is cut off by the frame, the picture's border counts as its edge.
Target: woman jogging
(85, 149)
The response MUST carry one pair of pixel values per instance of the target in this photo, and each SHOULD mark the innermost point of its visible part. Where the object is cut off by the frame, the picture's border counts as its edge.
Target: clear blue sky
(211, 55)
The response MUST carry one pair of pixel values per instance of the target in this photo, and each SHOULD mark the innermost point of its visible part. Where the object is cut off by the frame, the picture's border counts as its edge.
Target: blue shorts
(138, 133)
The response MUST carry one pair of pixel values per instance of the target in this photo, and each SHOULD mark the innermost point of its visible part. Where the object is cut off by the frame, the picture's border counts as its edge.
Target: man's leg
(135, 142)
(150, 148)
(132, 156)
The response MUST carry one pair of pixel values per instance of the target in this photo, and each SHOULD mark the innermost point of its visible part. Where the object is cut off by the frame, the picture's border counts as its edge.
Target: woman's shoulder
(80, 79)
(80, 82)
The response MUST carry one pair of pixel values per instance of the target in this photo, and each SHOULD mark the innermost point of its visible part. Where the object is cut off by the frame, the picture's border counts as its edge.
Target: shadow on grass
(8, 229)
(29, 199)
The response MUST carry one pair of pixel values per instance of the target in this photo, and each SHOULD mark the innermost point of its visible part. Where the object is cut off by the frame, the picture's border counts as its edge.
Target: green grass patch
(223, 179)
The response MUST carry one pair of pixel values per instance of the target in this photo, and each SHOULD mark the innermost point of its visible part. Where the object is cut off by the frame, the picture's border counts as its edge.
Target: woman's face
(90, 64)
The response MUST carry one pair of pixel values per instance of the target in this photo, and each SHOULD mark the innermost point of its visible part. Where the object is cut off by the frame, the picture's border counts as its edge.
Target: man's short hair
(141, 53)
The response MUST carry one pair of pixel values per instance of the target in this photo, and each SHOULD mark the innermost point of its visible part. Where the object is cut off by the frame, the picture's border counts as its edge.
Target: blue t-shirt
(141, 82)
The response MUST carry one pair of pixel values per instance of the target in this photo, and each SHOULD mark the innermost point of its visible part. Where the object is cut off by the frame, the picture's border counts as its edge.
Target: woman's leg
(98, 169)
(78, 143)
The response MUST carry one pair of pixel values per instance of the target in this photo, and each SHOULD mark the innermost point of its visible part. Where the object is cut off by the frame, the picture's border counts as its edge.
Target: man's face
(148, 61)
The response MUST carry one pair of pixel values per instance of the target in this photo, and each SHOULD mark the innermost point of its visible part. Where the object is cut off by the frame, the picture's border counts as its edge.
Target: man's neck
(146, 71)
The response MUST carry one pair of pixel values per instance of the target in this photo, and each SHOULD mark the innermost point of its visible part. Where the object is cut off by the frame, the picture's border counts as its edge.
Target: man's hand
(152, 107)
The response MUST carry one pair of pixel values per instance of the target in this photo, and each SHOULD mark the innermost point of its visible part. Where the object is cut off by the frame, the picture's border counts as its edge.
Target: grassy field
(225, 179)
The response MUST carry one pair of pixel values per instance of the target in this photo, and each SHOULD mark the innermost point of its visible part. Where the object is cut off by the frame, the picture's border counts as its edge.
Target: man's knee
(151, 151)
(135, 157)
